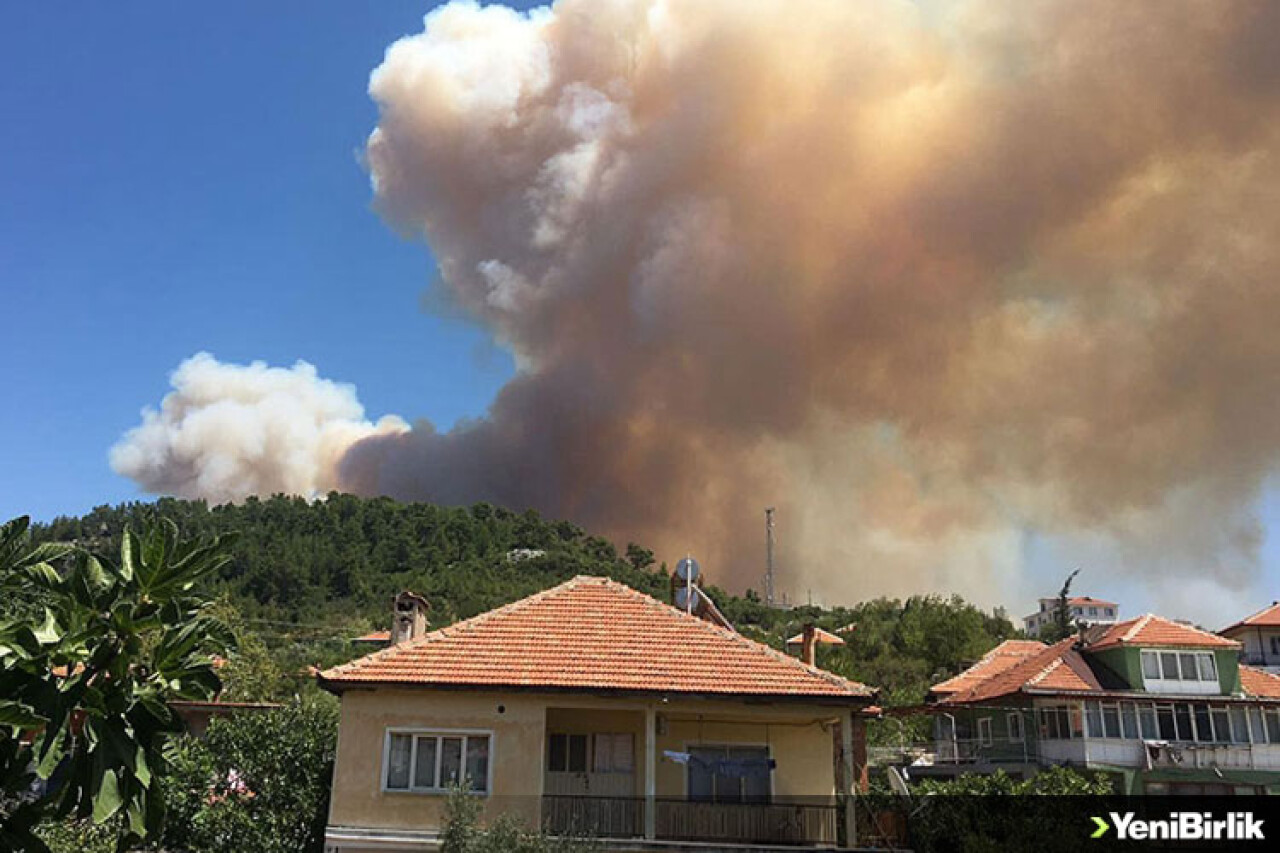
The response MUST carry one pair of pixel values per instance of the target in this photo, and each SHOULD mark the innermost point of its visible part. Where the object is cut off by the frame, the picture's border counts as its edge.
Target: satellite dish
(898, 782)
(688, 599)
(687, 570)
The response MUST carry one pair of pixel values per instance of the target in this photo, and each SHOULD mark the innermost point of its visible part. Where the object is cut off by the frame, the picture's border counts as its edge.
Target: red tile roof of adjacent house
(373, 637)
(594, 634)
(1267, 617)
(1004, 656)
(1088, 601)
(1056, 667)
(1152, 630)
(1257, 682)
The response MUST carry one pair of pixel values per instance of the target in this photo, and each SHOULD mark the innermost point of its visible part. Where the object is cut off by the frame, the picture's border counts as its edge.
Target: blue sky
(182, 177)
(178, 178)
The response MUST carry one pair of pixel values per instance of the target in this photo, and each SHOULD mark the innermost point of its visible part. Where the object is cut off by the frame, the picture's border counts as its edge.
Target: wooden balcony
(794, 823)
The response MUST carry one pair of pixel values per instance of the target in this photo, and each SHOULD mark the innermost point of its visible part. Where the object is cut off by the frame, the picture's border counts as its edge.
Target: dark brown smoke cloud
(921, 277)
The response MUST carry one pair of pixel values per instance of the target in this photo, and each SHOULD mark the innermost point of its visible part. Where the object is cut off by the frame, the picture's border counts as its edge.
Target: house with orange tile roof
(593, 708)
(1162, 706)
(1083, 609)
(1259, 638)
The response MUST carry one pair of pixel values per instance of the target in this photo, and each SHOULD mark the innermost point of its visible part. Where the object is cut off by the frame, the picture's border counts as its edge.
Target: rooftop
(1267, 617)
(593, 634)
(1152, 630)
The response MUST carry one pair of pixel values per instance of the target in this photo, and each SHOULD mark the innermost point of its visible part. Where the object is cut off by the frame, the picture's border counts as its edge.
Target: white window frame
(984, 732)
(1014, 721)
(418, 731)
(1196, 685)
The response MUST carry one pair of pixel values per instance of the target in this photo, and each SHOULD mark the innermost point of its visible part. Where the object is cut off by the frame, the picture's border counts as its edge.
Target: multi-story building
(1165, 707)
(1259, 638)
(1084, 609)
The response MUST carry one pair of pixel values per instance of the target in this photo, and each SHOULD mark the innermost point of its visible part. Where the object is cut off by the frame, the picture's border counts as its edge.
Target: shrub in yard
(258, 781)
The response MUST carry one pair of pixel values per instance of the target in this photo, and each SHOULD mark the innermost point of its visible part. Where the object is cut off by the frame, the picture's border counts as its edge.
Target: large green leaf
(16, 714)
(107, 801)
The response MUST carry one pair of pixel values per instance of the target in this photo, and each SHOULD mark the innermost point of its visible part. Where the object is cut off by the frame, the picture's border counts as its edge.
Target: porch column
(650, 773)
(849, 784)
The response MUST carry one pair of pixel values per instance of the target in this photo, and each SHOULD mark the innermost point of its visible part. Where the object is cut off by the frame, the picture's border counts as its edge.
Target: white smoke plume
(227, 431)
(923, 278)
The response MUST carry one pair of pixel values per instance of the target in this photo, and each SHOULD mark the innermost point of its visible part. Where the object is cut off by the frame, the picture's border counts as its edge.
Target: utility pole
(768, 566)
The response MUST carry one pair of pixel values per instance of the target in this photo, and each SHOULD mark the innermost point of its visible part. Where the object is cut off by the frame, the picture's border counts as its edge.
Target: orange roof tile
(1152, 630)
(1257, 682)
(1056, 667)
(1004, 656)
(1267, 617)
(594, 634)
(1090, 601)
(373, 637)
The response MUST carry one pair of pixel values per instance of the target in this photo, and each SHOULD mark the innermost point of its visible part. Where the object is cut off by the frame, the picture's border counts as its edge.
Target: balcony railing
(799, 823)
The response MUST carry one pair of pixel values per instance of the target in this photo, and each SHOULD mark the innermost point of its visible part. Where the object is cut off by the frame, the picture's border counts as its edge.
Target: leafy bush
(977, 814)
(258, 781)
(463, 833)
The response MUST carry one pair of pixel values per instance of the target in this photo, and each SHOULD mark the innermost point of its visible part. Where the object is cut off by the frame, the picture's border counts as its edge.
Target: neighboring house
(594, 708)
(196, 716)
(1165, 707)
(1084, 611)
(1259, 638)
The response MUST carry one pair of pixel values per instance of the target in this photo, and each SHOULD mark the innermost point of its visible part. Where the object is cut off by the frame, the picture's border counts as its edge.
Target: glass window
(1129, 721)
(1015, 726)
(1256, 727)
(1150, 665)
(424, 764)
(1273, 726)
(1189, 670)
(1093, 611)
(433, 762)
(1075, 717)
(1204, 723)
(984, 731)
(1221, 725)
(558, 753)
(1182, 721)
(729, 774)
(398, 762)
(754, 769)
(1093, 720)
(1164, 714)
(1239, 725)
(1147, 718)
(567, 753)
(1111, 720)
(478, 763)
(577, 753)
(1207, 666)
(612, 753)
(1169, 666)
(450, 761)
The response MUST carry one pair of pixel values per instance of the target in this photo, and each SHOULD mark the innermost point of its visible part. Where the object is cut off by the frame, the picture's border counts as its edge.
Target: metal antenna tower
(768, 566)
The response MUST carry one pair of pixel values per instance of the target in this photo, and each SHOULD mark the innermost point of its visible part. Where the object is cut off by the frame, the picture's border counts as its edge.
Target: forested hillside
(308, 576)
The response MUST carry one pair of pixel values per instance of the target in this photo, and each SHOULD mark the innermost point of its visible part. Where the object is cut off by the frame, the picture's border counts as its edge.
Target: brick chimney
(809, 644)
(408, 617)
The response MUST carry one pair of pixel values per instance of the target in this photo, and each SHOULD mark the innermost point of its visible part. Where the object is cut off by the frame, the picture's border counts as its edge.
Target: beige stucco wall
(516, 754)
(799, 738)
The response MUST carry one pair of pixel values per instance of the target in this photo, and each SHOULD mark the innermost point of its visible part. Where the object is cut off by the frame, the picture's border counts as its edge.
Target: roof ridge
(746, 642)
(1193, 628)
(1248, 619)
(448, 630)
(1137, 626)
